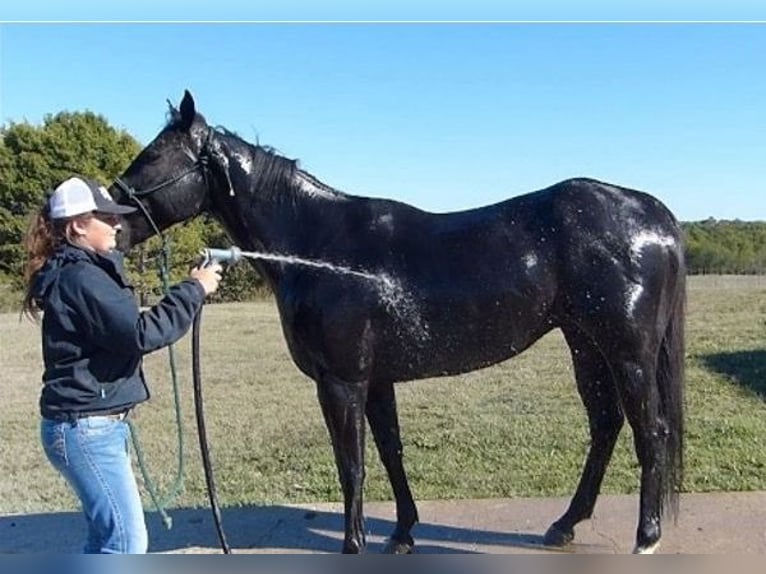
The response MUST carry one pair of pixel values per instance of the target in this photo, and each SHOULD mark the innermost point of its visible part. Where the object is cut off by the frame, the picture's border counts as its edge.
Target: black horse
(441, 294)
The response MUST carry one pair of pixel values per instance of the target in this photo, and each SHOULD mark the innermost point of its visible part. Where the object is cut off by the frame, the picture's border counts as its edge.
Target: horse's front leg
(384, 423)
(343, 405)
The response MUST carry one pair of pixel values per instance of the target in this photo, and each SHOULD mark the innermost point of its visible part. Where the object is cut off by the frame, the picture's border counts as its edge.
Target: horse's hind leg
(384, 424)
(343, 409)
(636, 381)
(599, 395)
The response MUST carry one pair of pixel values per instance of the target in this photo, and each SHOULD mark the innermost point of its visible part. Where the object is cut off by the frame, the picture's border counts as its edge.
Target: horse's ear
(175, 115)
(187, 110)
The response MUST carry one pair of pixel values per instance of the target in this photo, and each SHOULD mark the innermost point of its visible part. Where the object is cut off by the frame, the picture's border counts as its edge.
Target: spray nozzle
(229, 256)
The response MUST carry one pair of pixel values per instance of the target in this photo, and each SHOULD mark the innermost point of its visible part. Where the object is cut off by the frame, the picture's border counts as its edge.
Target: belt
(75, 416)
(118, 416)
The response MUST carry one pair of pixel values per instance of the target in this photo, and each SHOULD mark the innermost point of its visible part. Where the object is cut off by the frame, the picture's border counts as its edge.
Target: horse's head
(170, 177)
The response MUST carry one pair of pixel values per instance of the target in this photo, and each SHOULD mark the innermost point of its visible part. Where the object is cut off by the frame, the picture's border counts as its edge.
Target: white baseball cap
(78, 195)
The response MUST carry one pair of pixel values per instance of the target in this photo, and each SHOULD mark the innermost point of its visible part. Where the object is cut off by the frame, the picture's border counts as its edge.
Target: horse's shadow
(252, 529)
(745, 368)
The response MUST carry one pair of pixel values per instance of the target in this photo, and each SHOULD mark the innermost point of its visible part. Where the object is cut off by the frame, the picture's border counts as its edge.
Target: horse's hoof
(352, 548)
(650, 549)
(397, 547)
(558, 537)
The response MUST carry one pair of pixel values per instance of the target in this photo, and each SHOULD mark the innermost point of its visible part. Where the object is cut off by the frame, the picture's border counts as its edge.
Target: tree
(34, 158)
(735, 247)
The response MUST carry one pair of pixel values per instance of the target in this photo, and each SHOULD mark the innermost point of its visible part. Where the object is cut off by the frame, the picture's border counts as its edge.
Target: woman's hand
(209, 277)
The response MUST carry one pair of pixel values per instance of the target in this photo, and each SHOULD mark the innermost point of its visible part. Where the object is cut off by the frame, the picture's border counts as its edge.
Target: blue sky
(442, 116)
(238, 10)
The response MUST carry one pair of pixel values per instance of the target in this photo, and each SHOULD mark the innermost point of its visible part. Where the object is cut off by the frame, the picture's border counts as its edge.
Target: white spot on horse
(385, 221)
(651, 549)
(245, 162)
(646, 238)
(530, 260)
(633, 294)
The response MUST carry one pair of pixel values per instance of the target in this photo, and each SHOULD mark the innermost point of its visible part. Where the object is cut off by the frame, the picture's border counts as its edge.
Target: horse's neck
(310, 213)
(280, 214)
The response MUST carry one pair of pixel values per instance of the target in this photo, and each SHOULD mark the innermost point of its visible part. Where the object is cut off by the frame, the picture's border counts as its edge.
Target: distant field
(515, 429)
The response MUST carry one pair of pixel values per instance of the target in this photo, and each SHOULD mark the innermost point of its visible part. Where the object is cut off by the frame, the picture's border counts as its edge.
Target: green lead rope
(177, 488)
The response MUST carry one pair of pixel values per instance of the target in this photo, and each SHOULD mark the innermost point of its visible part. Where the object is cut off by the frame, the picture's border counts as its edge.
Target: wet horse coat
(447, 293)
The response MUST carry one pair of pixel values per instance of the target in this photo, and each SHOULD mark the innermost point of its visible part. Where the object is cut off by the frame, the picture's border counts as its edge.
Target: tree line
(34, 157)
(716, 247)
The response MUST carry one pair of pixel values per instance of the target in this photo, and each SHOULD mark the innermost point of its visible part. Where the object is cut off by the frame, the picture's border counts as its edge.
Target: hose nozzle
(229, 256)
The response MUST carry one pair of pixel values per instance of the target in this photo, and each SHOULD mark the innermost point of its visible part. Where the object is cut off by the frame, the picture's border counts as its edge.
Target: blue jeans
(93, 455)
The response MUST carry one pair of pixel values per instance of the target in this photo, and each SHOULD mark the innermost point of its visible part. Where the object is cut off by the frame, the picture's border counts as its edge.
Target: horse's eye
(152, 157)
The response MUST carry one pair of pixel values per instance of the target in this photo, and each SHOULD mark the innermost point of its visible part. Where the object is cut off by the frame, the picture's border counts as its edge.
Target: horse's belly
(457, 342)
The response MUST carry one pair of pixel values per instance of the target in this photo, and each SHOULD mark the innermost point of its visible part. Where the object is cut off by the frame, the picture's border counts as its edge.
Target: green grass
(515, 429)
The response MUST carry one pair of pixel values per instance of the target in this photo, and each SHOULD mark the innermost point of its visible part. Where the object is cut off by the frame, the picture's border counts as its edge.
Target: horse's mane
(270, 170)
(269, 173)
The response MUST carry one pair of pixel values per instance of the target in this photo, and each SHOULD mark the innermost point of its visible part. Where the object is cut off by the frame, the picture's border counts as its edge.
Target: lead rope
(177, 487)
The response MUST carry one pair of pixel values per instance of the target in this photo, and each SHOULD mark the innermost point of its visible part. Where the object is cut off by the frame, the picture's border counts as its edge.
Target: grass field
(515, 429)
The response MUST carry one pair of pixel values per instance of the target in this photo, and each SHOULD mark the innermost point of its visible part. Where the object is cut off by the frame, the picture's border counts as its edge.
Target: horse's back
(586, 202)
(527, 238)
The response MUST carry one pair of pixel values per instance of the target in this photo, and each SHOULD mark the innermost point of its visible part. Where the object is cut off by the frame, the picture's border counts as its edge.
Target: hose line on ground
(202, 433)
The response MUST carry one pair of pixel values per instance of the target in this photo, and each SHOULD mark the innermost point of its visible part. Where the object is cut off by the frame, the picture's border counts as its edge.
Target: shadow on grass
(254, 529)
(746, 368)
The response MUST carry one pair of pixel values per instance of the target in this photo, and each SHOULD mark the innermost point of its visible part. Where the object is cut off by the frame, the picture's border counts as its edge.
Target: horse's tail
(670, 381)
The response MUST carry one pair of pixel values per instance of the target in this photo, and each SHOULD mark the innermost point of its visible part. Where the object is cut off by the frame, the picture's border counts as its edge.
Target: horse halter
(208, 153)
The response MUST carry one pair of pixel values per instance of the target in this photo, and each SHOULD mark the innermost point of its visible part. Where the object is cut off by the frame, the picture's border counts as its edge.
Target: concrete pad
(720, 523)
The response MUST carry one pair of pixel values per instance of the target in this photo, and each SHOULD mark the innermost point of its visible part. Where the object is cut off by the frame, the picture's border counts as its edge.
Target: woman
(94, 337)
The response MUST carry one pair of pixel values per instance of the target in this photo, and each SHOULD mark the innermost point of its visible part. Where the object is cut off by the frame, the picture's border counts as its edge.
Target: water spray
(397, 301)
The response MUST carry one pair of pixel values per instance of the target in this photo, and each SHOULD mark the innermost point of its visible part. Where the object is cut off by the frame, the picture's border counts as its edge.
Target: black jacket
(94, 335)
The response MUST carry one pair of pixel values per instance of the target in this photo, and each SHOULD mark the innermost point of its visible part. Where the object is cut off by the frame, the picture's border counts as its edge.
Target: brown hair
(44, 236)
